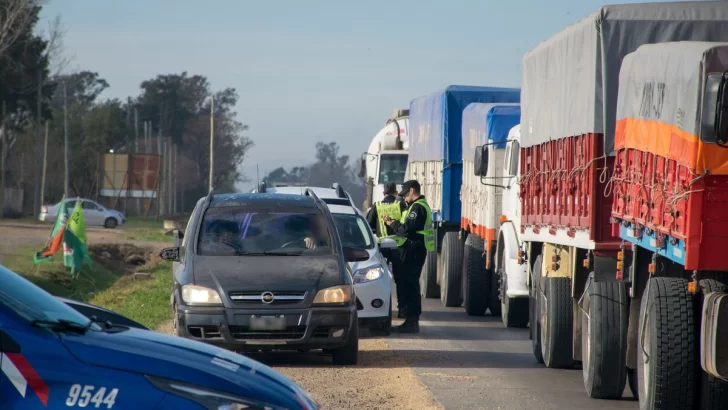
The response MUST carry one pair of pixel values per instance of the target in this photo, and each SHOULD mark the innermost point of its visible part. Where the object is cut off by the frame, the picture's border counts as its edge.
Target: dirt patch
(123, 258)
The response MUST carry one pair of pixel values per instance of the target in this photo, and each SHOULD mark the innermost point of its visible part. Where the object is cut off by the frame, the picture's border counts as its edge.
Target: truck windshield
(392, 168)
(235, 231)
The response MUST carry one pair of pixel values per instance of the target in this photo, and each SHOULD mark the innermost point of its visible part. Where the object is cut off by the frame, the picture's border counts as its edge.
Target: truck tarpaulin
(483, 122)
(570, 80)
(659, 104)
(435, 149)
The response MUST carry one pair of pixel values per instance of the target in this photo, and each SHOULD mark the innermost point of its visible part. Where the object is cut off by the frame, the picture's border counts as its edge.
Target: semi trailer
(557, 207)
(435, 160)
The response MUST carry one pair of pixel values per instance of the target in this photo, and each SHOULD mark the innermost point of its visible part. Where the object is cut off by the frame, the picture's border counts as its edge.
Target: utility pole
(45, 163)
(2, 171)
(136, 151)
(212, 137)
(65, 140)
(37, 196)
(174, 179)
(162, 152)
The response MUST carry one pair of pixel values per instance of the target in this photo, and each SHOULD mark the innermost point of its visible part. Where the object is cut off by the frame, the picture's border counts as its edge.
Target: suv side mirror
(480, 161)
(355, 254)
(714, 123)
(177, 235)
(170, 254)
(387, 243)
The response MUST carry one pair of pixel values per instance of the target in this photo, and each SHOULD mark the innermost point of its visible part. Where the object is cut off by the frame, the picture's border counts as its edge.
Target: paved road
(476, 363)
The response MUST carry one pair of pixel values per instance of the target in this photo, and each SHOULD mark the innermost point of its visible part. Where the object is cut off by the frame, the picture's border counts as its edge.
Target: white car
(93, 213)
(372, 278)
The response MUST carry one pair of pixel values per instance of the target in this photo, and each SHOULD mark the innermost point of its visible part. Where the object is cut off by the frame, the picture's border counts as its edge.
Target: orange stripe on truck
(484, 232)
(671, 142)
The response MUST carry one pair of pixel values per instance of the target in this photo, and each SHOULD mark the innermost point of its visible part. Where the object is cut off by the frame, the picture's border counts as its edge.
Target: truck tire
(476, 279)
(451, 287)
(667, 356)
(514, 312)
(604, 339)
(428, 278)
(713, 392)
(534, 302)
(556, 317)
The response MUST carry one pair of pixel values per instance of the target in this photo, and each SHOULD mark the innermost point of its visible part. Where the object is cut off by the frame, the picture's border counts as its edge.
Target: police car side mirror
(387, 243)
(170, 254)
(480, 161)
(355, 254)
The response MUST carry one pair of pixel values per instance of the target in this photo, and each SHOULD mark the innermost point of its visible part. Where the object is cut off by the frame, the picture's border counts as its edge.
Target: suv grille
(257, 297)
(290, 333)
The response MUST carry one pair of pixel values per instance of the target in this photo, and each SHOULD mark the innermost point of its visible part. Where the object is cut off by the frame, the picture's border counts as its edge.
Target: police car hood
(156, 354)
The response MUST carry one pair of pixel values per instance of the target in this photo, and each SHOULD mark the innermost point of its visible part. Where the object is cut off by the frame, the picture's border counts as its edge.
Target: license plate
(267, 323)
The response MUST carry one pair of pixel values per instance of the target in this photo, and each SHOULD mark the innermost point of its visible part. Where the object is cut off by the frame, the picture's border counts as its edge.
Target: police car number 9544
(91, 396)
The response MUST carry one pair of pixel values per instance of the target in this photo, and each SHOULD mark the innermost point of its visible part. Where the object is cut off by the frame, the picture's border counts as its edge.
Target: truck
(483, 288)
(670, 185)
(386, 158)
(435, 161)
(557, 207)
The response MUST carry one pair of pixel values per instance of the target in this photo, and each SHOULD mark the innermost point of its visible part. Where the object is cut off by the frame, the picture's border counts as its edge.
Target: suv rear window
(230, 231)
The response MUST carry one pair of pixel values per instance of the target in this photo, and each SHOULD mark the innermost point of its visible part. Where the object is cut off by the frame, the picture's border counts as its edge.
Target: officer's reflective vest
(428, 232)
(393, 210)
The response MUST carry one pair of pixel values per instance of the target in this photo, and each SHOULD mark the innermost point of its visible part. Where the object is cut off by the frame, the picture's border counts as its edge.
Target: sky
(315, 70)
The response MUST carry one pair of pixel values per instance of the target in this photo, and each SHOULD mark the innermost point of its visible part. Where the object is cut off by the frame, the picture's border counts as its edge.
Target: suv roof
(267, 199)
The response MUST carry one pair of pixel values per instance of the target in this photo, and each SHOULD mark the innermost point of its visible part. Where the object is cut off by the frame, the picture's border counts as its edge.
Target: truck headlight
(200, 294)
(209, 399)
(368, 274)
(335, 295)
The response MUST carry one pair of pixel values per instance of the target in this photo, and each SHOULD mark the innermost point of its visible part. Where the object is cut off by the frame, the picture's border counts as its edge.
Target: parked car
(100, 314)
(51, 356)
(245, 279)
(93, 213)
(372, 277)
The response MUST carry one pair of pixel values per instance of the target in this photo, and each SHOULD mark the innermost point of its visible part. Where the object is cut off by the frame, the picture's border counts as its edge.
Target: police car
(372, 278)
(52, 356)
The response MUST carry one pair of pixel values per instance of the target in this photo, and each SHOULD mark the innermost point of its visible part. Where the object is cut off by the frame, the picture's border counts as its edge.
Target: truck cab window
(513, 159)
(392, 168)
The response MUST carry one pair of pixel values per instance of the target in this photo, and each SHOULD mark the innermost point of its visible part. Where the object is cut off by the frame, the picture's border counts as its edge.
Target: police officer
(393, 207)
(416, 230)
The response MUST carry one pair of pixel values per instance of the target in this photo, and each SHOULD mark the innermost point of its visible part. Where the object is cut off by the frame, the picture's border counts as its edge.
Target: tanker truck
(435, 160)
(386, 159)
(557, 204)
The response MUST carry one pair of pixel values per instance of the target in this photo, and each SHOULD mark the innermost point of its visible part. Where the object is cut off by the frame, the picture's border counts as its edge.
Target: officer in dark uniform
(383, 231)
(416, 229)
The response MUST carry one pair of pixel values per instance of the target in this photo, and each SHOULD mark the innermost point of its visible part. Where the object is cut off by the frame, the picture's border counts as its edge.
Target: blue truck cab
(51, 356)
(436, 161)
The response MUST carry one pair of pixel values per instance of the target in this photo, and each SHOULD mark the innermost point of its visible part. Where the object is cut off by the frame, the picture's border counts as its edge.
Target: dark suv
(261, 272)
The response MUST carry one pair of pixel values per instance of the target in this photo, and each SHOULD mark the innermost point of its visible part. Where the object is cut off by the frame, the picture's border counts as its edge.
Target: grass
(141, 229)
(145, 300)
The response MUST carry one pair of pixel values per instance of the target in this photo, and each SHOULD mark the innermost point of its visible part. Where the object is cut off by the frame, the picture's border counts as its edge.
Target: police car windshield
(353, 231)
(235, 231)
(32, 303)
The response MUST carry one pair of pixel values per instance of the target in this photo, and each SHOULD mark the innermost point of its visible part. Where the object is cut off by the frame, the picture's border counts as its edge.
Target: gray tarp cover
(570, 81)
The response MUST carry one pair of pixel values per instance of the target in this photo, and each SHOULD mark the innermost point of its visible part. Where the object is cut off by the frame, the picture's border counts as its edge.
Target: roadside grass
(138, 228)
(144, 299)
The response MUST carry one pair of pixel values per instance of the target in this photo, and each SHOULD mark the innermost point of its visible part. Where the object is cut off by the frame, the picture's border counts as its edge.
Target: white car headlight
(335, 295)
(368, 274)
(200, 294)
(207, 398)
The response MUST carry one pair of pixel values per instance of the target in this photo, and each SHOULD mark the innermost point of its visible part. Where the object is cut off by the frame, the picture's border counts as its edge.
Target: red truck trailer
(669, 205)
(580, 309)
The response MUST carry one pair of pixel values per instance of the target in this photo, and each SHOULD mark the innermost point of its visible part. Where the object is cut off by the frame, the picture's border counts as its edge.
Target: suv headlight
(200, 294)
(209, 399)
(335, 295)
(368, 274)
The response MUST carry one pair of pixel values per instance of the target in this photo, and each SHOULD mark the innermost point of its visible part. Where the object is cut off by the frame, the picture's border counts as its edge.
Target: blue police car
(51, 356)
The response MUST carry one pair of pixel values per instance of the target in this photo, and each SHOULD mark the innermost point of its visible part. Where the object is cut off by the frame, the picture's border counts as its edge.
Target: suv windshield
(353, 231)
(230, 231)
(392, 168)
(33, 303)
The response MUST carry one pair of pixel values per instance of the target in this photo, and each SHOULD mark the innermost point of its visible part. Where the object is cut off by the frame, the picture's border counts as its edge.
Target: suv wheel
(349, 353)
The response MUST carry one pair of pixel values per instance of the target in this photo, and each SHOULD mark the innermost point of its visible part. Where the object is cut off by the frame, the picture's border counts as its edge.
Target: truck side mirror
(714, 120)
(362, 168)
(480, 161)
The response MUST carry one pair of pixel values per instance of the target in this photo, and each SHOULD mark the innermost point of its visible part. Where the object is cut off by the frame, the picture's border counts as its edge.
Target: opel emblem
(267, 297)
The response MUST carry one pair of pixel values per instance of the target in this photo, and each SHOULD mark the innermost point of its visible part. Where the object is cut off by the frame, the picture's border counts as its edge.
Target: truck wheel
(514, 312)
(556, 317)
(476, 279)
(667, 361)
(428, 278)
(348, 354)
(713, 392)
(451, 287)
(604, 339)
(534, 302)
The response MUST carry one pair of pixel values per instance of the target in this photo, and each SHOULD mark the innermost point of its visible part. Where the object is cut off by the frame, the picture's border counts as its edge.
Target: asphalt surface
(476, 363)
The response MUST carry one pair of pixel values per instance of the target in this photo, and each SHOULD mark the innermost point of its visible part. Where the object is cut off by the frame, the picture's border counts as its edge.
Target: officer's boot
(410, 325)
(402, 313)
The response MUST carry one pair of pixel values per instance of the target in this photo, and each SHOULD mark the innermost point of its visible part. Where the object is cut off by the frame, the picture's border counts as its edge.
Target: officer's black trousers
(394, 257)
(411, 270)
